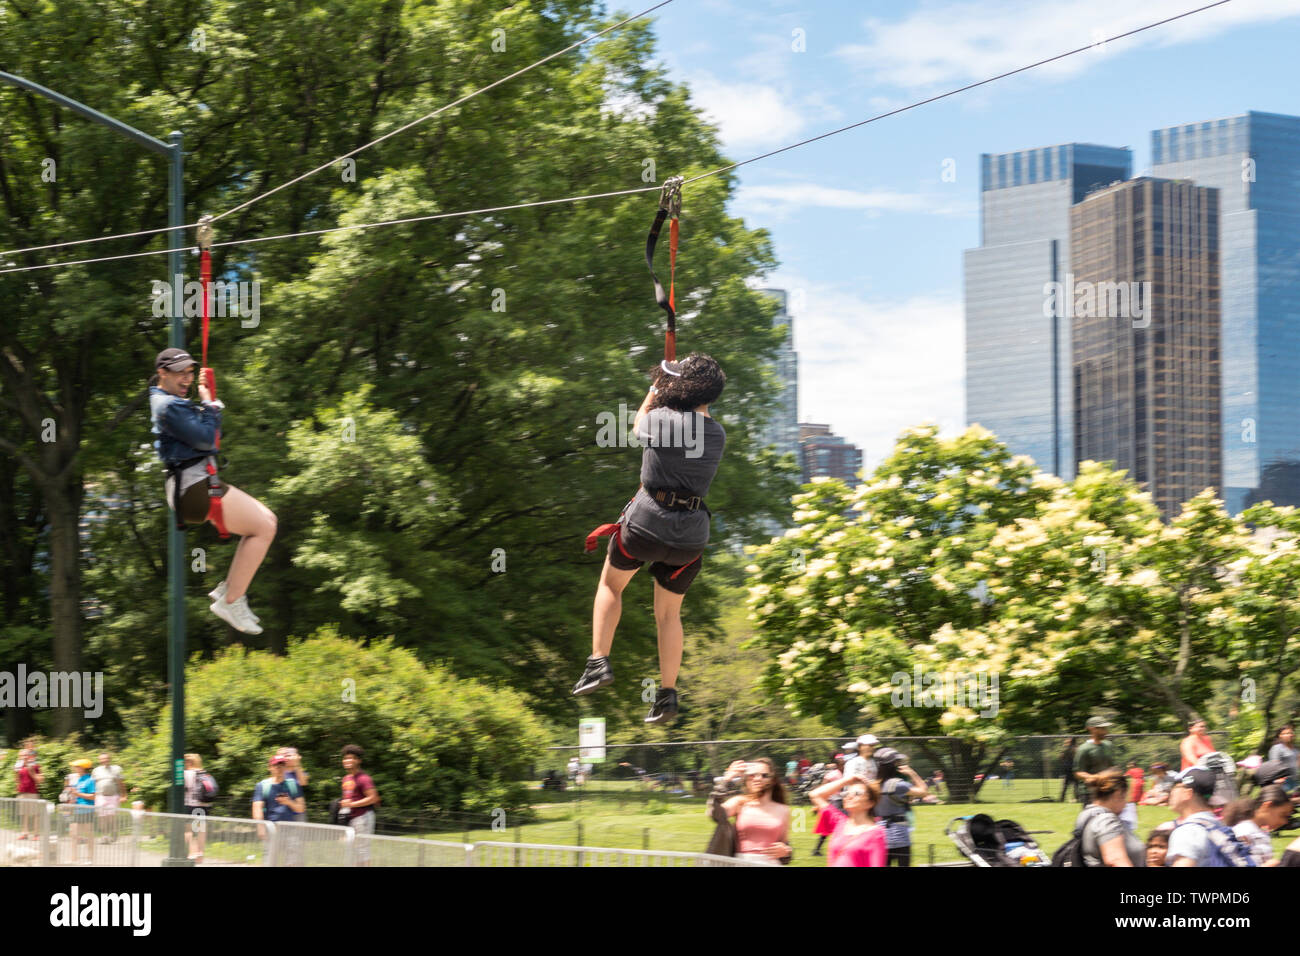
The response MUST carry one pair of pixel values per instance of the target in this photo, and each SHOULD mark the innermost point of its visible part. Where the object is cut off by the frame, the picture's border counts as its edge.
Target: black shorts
(194, 502)
(673, 568)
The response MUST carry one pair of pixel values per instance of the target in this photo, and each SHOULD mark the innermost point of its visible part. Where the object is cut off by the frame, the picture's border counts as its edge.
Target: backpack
(263, 791)
(206, 785)
(1225, 847)
(1070, 853)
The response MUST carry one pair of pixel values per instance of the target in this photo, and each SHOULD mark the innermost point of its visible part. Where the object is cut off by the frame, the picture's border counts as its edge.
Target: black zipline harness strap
(670, 205)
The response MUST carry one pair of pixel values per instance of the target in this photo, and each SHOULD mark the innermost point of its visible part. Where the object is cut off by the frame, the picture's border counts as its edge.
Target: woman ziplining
(189, 437)
(187, 444)
(666, 523)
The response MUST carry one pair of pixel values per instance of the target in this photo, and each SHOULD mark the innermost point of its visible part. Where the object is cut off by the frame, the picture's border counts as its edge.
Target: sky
(868, 229)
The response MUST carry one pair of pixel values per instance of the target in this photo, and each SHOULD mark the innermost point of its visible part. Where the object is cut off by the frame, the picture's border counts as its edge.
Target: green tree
(494, 342)
(963, 560)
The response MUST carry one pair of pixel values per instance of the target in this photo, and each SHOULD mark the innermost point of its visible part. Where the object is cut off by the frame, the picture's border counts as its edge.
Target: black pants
(1067, 782)
(899, 856)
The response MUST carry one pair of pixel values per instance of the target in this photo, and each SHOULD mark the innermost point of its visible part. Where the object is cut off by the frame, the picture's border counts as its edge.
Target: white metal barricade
(405, 851)
(25, 830)
(537, 854)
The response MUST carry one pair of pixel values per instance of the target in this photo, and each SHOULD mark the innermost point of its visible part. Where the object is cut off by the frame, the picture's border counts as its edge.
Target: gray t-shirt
(1190, 838)
(861, 766)
(1280, 751)
(682, 452)
(1102, 827)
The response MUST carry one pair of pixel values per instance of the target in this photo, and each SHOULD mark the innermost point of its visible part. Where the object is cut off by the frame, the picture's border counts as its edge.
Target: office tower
(826, 454)
(783, 428)
(1254, 161)
(1143, 301)
(1018, 370)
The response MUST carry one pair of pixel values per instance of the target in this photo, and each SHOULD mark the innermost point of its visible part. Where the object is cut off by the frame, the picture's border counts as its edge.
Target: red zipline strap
(670, 205)
(215, 491)
(603, 531)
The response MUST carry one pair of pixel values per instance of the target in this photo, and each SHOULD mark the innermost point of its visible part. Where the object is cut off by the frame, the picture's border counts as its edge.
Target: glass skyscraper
(783, 429)
(1254, 161)
(1144, 255)
(1018, 368)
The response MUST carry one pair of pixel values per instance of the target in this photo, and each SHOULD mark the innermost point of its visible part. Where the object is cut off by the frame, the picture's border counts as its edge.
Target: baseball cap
(868, 740)
(278, 758)
(851, 745)
(1098, 722)
(174, 360)
(1269, 771)
(1200, 780)
(890, 755)
(83, 763)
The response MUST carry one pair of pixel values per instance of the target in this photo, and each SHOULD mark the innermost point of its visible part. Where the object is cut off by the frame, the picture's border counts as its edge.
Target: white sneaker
(219, 594)
(237, 615)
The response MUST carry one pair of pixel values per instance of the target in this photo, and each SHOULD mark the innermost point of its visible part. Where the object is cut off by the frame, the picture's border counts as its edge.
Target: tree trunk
(63, 506)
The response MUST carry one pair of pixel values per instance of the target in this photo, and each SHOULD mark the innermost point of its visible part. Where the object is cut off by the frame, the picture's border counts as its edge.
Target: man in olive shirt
(1095, 755)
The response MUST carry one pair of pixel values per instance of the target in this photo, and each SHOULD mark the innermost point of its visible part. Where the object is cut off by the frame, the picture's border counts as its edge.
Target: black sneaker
(664, 709)
(596, 675)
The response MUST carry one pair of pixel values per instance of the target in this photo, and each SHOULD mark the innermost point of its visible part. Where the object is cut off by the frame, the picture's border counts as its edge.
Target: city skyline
(869, 227)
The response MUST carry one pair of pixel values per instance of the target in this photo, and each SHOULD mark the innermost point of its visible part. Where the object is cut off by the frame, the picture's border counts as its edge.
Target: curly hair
(700, 383)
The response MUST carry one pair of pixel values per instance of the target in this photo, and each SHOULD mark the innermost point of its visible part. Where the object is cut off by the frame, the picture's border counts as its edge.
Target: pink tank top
(757, 828)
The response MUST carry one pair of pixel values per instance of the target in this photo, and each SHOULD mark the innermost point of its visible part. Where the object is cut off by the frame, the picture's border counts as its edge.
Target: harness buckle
(670, 196)
(204, 233)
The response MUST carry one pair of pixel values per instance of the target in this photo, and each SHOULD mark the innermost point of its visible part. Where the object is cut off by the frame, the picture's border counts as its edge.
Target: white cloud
(756, 200)
(961, 42)
(870, 368)
(749, 115)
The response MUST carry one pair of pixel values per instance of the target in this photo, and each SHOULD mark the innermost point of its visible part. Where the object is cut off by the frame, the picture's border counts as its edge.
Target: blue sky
(868, 232)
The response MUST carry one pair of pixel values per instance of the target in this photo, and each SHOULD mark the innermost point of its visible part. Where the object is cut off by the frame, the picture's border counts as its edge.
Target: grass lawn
(622, 815)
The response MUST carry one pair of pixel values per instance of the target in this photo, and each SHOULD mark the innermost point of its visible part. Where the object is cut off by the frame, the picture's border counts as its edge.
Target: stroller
(811, 780)
(1001, 843)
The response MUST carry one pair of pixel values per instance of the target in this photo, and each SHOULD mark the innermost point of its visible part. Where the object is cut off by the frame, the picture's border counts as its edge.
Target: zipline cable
(962, 89)
(363, 225)
(416, 122)
(625, 192)
(443, 109)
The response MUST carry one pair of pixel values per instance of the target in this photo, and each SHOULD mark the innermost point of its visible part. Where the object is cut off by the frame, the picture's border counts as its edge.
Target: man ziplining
(666, 523)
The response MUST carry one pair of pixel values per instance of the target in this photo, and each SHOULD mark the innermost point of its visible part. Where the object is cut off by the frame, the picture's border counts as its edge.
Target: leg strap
(215, 494)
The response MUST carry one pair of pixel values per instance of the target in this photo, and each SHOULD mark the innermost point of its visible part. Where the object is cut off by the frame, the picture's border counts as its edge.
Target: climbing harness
(215, 490)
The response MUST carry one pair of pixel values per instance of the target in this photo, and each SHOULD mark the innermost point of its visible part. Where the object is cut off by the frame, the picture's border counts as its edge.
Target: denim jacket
(185, 430)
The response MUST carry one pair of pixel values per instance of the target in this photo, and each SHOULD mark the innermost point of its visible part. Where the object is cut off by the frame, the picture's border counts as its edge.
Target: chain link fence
(1018, 770)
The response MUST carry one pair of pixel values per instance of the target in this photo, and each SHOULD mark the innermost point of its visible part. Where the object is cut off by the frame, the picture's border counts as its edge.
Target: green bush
(431, 740)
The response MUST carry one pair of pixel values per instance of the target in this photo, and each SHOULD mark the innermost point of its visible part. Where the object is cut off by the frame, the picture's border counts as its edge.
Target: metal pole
(175, 538)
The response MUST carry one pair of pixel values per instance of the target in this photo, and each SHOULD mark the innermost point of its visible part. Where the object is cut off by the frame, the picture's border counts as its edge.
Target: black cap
(1200, 780)
(174, 360)
(1269, 771)
(890, 755)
